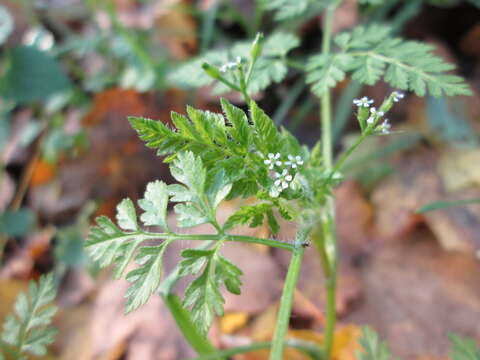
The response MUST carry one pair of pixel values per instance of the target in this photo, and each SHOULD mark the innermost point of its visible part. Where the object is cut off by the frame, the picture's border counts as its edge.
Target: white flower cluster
(363, 102)
(283, 178)
(397, 96)
(231, 65)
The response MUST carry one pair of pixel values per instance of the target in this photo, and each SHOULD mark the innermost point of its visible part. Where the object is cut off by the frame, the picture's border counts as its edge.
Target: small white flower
(397, 96)
(385, 127)
(370, 120)
(272, 160)
(364, 101)
(375, 113)
(231, 65)
(283, 179)
(294, 161)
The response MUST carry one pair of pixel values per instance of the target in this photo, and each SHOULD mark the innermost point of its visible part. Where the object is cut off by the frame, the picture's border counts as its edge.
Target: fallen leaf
(415, 294)
(232, 321)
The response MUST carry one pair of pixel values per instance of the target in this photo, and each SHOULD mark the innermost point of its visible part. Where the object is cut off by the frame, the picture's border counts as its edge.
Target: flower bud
(211, 71)
(256, 49)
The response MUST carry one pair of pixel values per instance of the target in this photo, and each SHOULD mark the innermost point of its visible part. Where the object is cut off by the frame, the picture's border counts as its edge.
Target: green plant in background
(215, 157)
(27, 332)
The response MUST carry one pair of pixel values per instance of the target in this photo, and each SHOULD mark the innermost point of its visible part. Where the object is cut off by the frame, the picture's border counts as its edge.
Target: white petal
(284, 172)
(277, 182)
(267, 162)
(277, 175)
(290, 157)
(294, 166)
(300, 162)
(284, 185)
(277, 155)
(278, 163)
(288, 177)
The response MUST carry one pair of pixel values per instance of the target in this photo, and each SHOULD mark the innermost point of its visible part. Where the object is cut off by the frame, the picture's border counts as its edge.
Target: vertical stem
(328, 247)
(286, 304)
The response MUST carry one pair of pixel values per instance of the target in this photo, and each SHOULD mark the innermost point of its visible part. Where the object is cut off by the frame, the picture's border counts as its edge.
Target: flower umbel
(272, 160)
(294, 161)
(283, 179)
(231, 65)
(363, 102)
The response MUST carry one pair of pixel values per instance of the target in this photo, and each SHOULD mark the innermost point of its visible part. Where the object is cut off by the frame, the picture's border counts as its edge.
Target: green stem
(329, 245)
(308, 348)
(286, 303)
(346, 154)
(243, 84)
(215, 237)
(189, 331)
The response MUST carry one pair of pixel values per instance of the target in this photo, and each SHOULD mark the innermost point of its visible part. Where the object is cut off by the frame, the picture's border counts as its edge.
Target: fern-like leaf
(203, 295)
(371, 54)
(269, 67)
(27, 332)
(372, 347)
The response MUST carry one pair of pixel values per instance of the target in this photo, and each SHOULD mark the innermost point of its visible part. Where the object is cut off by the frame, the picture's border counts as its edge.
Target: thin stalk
(286, 302)
(308, 348)
(329, 246)
(182, 317)
(215, 237)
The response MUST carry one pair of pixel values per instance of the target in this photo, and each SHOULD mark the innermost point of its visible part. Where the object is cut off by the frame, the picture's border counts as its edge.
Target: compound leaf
(27, 331)
(146, 278)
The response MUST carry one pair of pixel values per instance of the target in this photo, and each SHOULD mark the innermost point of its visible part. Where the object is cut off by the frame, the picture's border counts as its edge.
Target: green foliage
(232, 143)
(285, 9)
(464, 348)
(32, 75)
(108, 243)
(269, 67)
(198, 194)
(372, 347)
(370, 53)
(16, 223)
(27, 332)
(203, 294)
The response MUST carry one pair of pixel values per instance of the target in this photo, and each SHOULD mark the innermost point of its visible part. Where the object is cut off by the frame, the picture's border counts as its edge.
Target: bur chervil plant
(240, 154)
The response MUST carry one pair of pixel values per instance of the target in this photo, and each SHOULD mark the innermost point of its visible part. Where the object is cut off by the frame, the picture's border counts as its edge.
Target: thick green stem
(328, 247)
(286, 303)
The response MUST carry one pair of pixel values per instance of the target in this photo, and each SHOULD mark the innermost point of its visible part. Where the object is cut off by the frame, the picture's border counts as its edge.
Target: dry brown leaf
(416, 294)
(354, 215)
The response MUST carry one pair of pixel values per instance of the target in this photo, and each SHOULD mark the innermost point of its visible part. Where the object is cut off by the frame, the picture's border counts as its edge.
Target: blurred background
(71, 71)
